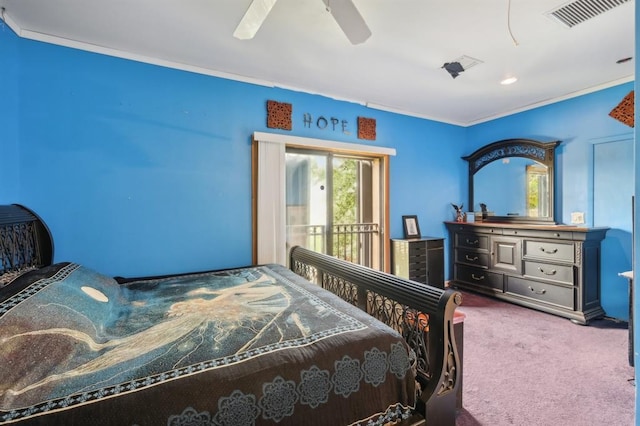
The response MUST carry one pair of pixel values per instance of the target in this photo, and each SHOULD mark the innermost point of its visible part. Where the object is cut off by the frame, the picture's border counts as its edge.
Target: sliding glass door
(333, 204)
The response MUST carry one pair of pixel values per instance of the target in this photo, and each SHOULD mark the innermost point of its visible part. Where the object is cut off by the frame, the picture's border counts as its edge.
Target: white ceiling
(301, 47)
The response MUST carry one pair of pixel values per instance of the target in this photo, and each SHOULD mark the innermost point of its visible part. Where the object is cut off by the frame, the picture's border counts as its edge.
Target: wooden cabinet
(555, 269)
(419, 259)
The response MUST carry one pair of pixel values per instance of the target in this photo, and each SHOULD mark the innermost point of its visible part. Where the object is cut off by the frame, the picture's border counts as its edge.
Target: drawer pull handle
(543, 291)
(554, 251)
(473, 243)
(551, 272)
(471, 259)
(477, 278)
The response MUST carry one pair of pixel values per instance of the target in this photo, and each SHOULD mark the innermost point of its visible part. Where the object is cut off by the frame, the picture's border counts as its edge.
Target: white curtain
(271, 221)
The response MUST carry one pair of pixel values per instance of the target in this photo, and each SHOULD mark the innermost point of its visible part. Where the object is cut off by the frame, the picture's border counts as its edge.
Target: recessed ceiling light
(509, 80)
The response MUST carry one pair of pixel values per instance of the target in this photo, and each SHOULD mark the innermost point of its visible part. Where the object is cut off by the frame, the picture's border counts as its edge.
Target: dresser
(419, 259)
(552, 268)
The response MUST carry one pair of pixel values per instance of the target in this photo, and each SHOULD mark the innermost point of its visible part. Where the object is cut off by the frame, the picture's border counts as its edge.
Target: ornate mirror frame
(542, 152)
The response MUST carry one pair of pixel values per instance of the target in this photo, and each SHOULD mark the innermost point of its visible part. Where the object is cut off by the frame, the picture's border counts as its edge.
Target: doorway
(613, 186)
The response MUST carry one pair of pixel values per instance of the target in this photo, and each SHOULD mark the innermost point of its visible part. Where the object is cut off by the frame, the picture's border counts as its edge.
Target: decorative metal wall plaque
(367, 128)
(625, 110)
(279, 115)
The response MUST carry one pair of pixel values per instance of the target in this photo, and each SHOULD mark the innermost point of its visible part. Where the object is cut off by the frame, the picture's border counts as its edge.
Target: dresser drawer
(549, 250)
(419, 276)
(544, 292)
(558, 273)
(475, 241)
(417, 250)
(479, 277)
(564, 235)
(418, 269)
(472, 257)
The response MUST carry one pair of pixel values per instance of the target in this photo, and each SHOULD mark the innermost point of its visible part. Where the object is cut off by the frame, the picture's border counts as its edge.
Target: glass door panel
(306, 201)
(333, 205)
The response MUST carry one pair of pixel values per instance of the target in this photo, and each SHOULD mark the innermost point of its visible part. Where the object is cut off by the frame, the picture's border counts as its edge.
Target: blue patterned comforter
(256, 345)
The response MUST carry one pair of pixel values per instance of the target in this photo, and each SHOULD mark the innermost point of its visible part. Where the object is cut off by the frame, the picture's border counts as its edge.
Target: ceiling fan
(344, 12)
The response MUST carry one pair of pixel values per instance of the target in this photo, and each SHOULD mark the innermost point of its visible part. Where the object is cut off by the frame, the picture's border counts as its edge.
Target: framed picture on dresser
(410, 226)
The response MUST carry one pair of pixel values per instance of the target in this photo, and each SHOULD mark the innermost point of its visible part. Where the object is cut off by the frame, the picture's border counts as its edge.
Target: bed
(262, 344)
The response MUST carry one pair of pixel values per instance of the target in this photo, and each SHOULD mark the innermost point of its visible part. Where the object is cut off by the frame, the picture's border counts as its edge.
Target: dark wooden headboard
(25, 242)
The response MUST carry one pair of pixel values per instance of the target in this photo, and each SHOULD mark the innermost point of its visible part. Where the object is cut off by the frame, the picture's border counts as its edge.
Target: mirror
(512, 181)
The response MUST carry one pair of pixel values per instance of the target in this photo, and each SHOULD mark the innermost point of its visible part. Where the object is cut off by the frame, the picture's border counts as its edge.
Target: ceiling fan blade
(349, 19)
(253, 19)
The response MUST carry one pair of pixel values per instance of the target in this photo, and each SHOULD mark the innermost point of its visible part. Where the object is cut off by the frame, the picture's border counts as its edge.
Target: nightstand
(419, 259)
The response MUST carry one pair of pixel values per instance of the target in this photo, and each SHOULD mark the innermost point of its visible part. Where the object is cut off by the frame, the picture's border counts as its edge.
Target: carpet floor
(524, 367)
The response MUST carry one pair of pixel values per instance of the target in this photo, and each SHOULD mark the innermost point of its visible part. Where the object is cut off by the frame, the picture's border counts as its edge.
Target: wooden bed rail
(421, 313)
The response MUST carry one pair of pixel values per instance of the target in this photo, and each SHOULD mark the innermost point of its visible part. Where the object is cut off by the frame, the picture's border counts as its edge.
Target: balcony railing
(357, 243)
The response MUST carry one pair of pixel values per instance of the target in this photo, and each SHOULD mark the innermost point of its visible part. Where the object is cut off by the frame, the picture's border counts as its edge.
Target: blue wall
(9, 106)
(139, 169)
(578, 123)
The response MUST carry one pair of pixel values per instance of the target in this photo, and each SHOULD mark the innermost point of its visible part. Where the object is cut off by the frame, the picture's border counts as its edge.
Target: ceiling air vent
(459, 65)
(573, 13)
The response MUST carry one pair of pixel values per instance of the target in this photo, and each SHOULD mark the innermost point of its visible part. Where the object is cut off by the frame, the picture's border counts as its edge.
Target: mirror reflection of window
(537, 184)
(513, 186)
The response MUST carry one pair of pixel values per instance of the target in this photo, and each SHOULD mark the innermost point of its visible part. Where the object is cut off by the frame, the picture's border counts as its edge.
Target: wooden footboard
(422, 314)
